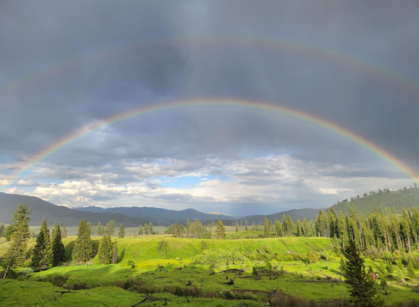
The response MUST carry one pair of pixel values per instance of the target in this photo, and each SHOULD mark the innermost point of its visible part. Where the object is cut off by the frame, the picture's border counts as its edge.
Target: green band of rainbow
(258, 105)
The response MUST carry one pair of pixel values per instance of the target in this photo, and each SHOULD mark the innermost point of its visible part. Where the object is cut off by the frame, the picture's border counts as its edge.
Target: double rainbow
(248, 104)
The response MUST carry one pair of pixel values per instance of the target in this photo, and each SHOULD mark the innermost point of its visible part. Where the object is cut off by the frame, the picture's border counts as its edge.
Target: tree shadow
(121, 256)
(69, 250)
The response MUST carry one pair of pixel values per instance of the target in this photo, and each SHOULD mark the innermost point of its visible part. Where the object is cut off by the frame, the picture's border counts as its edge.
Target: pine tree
(64, 232)
(188, 225)
(220, 232)
(266, 228)
(278, 228)
(82, 250)
(89, 225)
(237, 228)
(361, 284)
(58, 250)
(121, 233)
(99, 230)
(105, 249)
(141, 231)
(42, 252)
(110, 227)
(15, 255)
(176, 230)
(145, 229)
(150, 228)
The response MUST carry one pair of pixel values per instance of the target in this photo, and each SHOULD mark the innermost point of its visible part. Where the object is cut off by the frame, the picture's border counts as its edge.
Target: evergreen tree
(100, 230)
(237, 227)
(361, 284)
(110, 227)
(1, 229)
(16, 252)
(220, 232)
(246, 228)
(121, 233)
(266, 227)
(145, 229)
(278, 228)
(141, 231)
(299, 231)
(58, 250)
(150, 228)
(105, 249)
(89, 225)
(114, 252)
(64, 232)
(42, 252)
(188, 225)
(82, 251)
(176, 230)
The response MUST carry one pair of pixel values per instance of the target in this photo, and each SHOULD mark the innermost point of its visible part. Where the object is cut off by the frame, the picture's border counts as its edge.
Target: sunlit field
(181, 269)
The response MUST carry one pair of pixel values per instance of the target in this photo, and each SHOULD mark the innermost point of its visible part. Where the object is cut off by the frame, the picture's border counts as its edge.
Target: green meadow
(174, 271)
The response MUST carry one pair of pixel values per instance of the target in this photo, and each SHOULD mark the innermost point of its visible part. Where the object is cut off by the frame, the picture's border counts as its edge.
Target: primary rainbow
(209, 102)
(329, 55)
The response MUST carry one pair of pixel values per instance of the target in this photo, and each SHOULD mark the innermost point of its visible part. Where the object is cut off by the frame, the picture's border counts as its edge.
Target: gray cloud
(66, 65)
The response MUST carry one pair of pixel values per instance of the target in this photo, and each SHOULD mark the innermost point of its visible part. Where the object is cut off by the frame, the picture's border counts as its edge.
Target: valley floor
(179, 269)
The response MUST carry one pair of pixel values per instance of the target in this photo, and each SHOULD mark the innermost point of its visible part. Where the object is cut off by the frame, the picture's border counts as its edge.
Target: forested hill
(403, 198)
(64, 216)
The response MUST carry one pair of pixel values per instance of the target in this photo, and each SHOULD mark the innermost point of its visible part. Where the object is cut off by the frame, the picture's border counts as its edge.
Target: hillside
(296, 214)
(64, 216)
(160, 216)
(406, 198)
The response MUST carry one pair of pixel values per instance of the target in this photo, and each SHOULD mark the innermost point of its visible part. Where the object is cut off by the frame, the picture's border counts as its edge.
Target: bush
(131, 263)
(59, 280)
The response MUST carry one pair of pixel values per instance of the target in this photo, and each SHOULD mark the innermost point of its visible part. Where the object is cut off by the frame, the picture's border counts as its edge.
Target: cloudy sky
(67, 66)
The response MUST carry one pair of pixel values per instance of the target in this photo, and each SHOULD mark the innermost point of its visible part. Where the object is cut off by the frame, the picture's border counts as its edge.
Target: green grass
(158, 259)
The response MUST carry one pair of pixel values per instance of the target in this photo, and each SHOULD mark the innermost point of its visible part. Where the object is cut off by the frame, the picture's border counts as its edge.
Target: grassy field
(180, 268)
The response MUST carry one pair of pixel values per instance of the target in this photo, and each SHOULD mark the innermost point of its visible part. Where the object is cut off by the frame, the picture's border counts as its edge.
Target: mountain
(129, 216)
(217, 213)
(64, 216)
(160, 216)
(406, 198)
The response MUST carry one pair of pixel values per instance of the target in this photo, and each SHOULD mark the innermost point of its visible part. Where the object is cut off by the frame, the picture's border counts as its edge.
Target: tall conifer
(121, 233)
(58, 250)
(82, 250)
(42, 252)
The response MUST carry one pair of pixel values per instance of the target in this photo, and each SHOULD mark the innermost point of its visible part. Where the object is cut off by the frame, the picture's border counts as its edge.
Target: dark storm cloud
(110, 78)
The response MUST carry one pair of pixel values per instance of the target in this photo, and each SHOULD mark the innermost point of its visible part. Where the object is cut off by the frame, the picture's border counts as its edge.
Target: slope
(64, 216)
(406, 198)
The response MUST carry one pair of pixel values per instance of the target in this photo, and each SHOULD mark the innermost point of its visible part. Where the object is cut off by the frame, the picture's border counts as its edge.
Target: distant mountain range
(160, 216)
(135, 216)
(129, 216)
(41, 209)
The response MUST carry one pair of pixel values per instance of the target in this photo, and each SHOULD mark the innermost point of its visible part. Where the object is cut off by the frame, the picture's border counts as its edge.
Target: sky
(67, 66)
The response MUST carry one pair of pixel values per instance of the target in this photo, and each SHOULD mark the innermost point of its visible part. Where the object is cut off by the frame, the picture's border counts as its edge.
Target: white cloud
(275, 181)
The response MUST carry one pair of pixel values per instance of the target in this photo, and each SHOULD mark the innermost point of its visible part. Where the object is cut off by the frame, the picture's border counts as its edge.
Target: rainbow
(248, 104)
(328, 55)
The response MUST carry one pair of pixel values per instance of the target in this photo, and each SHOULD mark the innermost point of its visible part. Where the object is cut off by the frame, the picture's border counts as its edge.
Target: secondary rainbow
(211, 102)
(329, 55)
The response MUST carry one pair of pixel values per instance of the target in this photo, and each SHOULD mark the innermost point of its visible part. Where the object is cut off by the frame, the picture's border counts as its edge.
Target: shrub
(59, 280)
(227, 294)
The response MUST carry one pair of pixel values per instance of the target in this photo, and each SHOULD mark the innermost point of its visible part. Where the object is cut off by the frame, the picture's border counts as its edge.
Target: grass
(158, 259)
